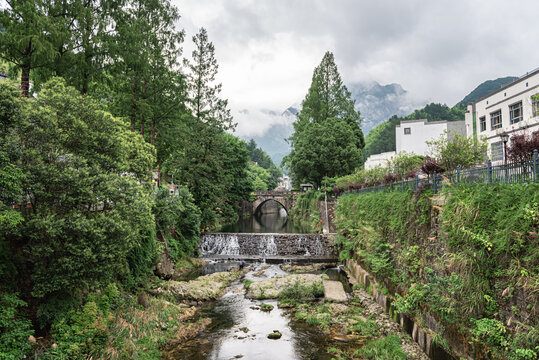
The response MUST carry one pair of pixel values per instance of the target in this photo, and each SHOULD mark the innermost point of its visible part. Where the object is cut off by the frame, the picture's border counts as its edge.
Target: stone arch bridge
(286, 199)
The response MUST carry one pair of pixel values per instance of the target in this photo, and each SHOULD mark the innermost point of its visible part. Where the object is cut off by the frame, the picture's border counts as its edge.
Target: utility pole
(326, 204)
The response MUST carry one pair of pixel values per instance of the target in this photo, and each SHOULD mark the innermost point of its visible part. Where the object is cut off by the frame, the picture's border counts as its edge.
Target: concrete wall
(421, 131)
(521, 90)
(379, 160)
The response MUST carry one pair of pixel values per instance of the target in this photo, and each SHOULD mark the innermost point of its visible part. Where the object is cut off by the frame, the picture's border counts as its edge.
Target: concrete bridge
(287, 199)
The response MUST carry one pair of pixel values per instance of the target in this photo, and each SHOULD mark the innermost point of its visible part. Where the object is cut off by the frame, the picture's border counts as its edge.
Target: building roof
(521, 78)
(426, 122)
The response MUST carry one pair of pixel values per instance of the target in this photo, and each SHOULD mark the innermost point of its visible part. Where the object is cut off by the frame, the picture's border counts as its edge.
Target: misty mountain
(377, 103)
(273, 140)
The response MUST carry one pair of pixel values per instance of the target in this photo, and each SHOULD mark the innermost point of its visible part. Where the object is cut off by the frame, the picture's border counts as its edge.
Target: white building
(412, 135)
(285, 183)
(379, 160)
(512, 110)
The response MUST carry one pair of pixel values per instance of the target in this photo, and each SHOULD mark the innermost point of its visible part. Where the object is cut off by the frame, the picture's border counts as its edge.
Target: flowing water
(239, 328)
(275, 222)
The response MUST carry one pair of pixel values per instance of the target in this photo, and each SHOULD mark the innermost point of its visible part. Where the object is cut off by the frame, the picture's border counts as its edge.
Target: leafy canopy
(327, 139)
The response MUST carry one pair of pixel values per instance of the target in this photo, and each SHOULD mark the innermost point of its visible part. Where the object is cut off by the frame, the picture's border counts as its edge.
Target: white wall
(519, 91)
(378, 160)
(422, 131)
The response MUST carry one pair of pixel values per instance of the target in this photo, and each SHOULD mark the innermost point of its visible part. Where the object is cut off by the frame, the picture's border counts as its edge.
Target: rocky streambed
(264, 312)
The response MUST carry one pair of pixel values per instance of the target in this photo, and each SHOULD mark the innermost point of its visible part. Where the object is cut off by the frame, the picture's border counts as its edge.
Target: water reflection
(275, 222)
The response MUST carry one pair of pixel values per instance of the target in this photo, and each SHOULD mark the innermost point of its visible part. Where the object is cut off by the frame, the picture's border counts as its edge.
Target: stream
(239, 328)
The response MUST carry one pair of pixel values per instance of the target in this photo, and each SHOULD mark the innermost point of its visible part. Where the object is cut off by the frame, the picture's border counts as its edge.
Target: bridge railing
(278, 193)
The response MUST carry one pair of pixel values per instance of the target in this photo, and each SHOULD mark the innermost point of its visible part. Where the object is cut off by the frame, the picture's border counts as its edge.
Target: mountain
(273, 140)
(377, 103)
(486, 88)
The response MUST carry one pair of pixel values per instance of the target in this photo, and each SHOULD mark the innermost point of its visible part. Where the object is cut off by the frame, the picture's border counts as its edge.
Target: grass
(301, 292)
(388, 348)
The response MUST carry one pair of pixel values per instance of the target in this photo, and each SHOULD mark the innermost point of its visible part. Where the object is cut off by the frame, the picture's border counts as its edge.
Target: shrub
(522, 146)
(14, 328)
(300, 292)
(388, 348)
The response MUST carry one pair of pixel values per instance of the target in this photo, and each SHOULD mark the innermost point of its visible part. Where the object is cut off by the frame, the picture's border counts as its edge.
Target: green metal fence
(507, 173)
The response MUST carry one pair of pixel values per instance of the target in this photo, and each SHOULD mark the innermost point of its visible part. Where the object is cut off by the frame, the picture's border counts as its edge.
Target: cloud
(267, 49)
(256, 122)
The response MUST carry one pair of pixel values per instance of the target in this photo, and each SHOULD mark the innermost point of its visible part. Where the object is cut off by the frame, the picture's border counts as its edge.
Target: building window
(535, 104)
(515, 112)
(496, 151)
(496, 120)
(407, 131)
(483, 123)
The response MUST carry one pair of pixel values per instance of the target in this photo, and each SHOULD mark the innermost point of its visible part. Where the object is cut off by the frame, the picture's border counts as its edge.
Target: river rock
(208, 287)
(303, 269)
(275, 335)
(271, 288)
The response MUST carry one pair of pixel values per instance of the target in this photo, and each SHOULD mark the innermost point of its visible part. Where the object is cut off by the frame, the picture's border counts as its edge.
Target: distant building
(381, 160)
(512, 109)
(412, 135)
(285, 183)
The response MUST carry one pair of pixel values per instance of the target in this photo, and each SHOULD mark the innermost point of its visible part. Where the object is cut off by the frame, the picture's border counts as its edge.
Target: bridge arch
(286, 199)
(258, 208)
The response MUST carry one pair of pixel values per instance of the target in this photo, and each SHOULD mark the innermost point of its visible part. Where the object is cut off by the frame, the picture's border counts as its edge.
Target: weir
(278, 247)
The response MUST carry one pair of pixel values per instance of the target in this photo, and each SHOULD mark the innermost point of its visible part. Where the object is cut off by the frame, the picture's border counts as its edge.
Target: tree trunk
(25, 70)
(152, 131)
(143, 118)
(134, 105)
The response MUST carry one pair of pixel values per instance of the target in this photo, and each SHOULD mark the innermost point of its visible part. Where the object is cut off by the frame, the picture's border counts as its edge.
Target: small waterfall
(219, 244)
(317, 247)
(263, 245)
(267, 246)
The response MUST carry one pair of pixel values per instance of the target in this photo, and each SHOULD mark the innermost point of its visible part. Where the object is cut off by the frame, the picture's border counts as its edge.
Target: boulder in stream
(204, 288)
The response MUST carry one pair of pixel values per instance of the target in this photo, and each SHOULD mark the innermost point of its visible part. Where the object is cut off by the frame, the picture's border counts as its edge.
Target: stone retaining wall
(421, 335)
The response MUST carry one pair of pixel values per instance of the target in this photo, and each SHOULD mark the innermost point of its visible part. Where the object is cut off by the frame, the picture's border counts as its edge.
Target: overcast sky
(438, 51)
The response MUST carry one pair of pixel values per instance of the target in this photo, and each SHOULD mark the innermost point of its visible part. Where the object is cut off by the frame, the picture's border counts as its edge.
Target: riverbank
(461, 265)
(294, 312)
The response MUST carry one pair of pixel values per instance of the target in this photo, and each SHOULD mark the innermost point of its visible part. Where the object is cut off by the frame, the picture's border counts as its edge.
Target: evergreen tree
(26, 37)
(204, 99)
(327, 139)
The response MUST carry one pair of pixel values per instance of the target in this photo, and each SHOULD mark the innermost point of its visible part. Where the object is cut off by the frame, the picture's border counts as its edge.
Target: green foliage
(259, 177)
(300, 292)
(387, 348)
(366, 329)
(317, 316)
(178, 221)
(486, 88)
(247, 283)
(84, 332)
(490, 331)
(403, 163)
(482, 262)
(306, 211)
(262, 159)
(457, 150)
(14, 328)
(327, 139)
